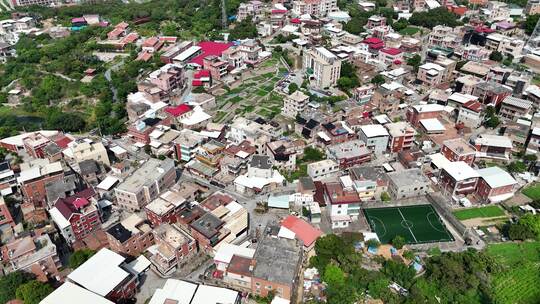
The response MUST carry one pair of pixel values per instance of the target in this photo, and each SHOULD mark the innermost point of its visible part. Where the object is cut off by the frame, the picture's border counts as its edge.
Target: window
(269, 287)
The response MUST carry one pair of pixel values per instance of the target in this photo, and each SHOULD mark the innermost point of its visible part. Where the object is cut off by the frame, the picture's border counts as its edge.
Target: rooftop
(459, 146)
(460, 171)
(101, 273)
(408, 177)
(69, 291)
(374, 130)
(152, 170)
(277, 259)
(349, 149)
(493, 141)
(304, 231)
(496, 177)
(517, 102)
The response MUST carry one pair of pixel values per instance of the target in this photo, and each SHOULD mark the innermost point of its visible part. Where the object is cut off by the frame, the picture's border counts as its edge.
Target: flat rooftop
(152, 170)
(277, 259)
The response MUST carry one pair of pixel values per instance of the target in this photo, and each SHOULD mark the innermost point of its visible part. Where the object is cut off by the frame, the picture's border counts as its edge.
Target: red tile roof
(304, 231)
(202, 73)
(144, 56)
(209, 48)
(372, 40)
(295, 20)
(278, 11)
(63, 141)
(391, 51)
(150, 42)
(178, 110)
(473, 105)
(196, 83)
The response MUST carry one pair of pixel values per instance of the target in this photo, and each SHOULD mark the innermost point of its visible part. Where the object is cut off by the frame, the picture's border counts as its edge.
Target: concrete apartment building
(35, 176)
(401, 136)
(317, 8)
(493, 146)
(277, 265)
(343, 200)
(323, 67)
(36, 255)
(323, 169)
(431, 74)
(145, 184)
(533, 7)
(513, 108)
(350, 153)
(504, 44)
(165, 208)
(130, 237)
(81, 150)
(458, 149)
(495, 185)
(458, 178)
(163, 82)
(408, 183)
(471, 114)
(420, 112)
(76, 217)
(174, 248)
(294, 104)
(375, 136)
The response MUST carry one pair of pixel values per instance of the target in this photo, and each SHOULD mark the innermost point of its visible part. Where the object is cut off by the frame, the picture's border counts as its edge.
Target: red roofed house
(373, 43)
(388, 56)
(471, 114)
(209, 48)
(119, 30)
(75, 216)
(302, 230)
(152, 45)
(202, 79)
(179, 112)
(343, 200)
(144, 56)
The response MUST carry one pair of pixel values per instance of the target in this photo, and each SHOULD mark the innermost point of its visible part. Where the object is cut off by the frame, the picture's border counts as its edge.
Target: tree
(9, 285)
(516, 167)
(415, 61)
(33, 292)
(434, 17)
(355, 26)
(492, 121)
(520, 232)
(312, 154)
(398, 272)
(333, 275)
(400, 24)
(385, 197)
(79, 257)
(496, 56)
(532, 222)
(373, 243)
(530, 23)
(293, 87)
(398, 242)
(198, 90)
(378, 80)
(243, 30)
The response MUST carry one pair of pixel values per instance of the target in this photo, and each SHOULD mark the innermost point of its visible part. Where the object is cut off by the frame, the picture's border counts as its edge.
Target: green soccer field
(417, 224)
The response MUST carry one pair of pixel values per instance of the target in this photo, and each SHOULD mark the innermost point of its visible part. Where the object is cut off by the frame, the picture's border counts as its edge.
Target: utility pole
(223, 15)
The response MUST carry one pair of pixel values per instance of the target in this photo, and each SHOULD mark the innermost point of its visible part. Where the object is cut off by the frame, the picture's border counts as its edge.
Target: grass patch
(249, 109)
(532, 191)
(264, 112)
(235, 99)
(219, 116)
(519, 280)
(489, 211)
(262, 93)
(410, 30)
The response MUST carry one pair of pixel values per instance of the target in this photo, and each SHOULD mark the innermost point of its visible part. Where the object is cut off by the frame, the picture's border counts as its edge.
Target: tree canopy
(434, 17)
(33, 292)
(9, 284)
(79, 257)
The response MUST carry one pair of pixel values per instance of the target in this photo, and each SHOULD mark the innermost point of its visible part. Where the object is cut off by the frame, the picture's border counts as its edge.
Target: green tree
(378, 80)
(385, 197)
(516, 167)
(33, 292)
(79, 257)
(400, 24)
(398, 241)
(434, 17)
(9, 285)
(532, 222)
(496, 56)
(373, 243)
(312, 154)
(414, 61)
(530, 23)
(333, 275)
(293, 87)
(245, 29)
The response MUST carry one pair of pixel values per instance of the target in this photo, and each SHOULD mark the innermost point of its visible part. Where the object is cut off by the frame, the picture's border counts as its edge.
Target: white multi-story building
(87, 149)
(317, 8)
(294, 104)
(323, 169)
(323, 66)
(375, 137)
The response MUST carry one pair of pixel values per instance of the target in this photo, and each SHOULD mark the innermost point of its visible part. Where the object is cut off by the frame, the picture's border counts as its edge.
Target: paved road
(109, 79)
